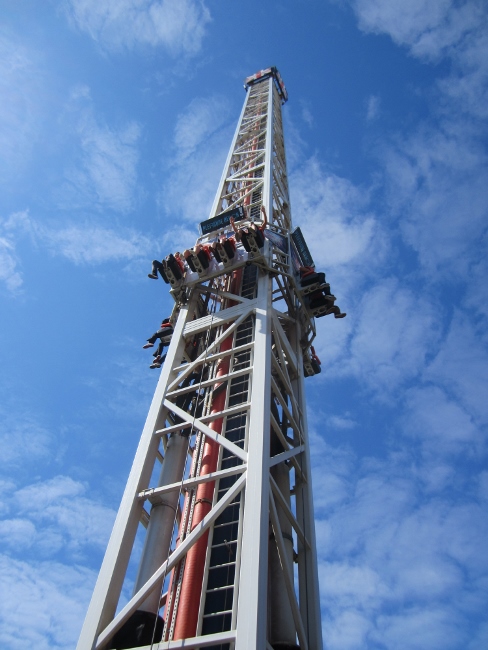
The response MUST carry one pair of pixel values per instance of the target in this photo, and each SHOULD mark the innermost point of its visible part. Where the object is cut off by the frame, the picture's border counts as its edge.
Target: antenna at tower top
(265, 74)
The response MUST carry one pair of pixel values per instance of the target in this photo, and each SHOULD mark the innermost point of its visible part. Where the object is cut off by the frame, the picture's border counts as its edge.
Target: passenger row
(199, 258)
(318, 299)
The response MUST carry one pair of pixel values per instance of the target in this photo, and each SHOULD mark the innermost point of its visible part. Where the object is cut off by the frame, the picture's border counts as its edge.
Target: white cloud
(394, 331)
(201, 118)
(479, 638)
(42, 495)
(81, 243)
(9, 273)
(179, 238)
(372, 108)
(334, 218)
(462, 367)
(201, 142)
(295, 143)
(435, 628)
(476, 297)
(54, 516)
(110, 159)
(17, 533)
(347, 631)
(117, 24)
(307, 115)
(440, 425)
(22, 88)
(435, 176)
(21, 433)
(394, 562)
(59, 510)
(483, 486)
(467, 86)
(436, 186)
(332, 468)
(341, 422)
(105, 172)
(428, 27)
(96, 245)
(7, 486)
(434, 29)
(42, 604)
(333, 336)
(347, 584)
(189, 190)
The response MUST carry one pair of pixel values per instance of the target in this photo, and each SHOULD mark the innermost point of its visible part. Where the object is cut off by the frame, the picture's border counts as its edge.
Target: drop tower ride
(218, 504)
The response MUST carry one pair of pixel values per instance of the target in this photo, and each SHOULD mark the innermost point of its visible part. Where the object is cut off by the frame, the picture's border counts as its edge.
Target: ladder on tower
(220, 582)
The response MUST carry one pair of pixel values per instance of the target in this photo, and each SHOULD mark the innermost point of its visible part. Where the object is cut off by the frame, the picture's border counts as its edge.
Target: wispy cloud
(441, 426)
(437, 29)
(62, 516)
(461, 366)
(333, 213)
(201, 141)
(341, 422)
(21, 114)
(197, 122)
(104, 175)
(307, 115)
(9, 265)
(427, 27)
(86, 243)
(398, 566)
(95, 245)
(42, 603)
(400, 537)
(81, 244)
(372, 108)
(179, 27)
(394, 333)
(436, 180)
(21, 432)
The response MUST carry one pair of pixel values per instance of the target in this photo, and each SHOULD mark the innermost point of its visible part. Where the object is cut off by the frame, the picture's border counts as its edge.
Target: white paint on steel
(173, 559)
(111, 577)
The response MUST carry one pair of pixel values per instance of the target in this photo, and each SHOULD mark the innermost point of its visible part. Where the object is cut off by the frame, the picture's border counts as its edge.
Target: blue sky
(115, 120)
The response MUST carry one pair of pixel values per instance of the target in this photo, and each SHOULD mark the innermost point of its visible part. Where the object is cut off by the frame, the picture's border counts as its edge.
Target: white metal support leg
(251, 622)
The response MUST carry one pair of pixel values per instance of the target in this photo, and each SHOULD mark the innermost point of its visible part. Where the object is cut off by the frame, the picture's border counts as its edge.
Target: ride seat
(173, 270)
(252, 239)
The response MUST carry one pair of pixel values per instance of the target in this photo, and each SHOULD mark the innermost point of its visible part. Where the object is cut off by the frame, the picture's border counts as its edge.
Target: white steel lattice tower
(221, 478)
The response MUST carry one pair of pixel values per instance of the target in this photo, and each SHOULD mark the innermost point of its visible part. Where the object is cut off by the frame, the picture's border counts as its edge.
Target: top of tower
(265, 74)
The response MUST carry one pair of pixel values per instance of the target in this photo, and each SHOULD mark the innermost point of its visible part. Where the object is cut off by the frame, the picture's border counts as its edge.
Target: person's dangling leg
(152, 339)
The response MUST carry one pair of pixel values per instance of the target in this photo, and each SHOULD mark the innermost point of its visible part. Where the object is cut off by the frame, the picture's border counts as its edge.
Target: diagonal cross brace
(202, 358)
(174, 558)
(288, 513)
(198, 424)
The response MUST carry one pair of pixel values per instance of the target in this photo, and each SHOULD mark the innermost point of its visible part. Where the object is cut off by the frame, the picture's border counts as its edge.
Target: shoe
(153, 276)
(147, 345)
(155, 365)
(340, 315)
